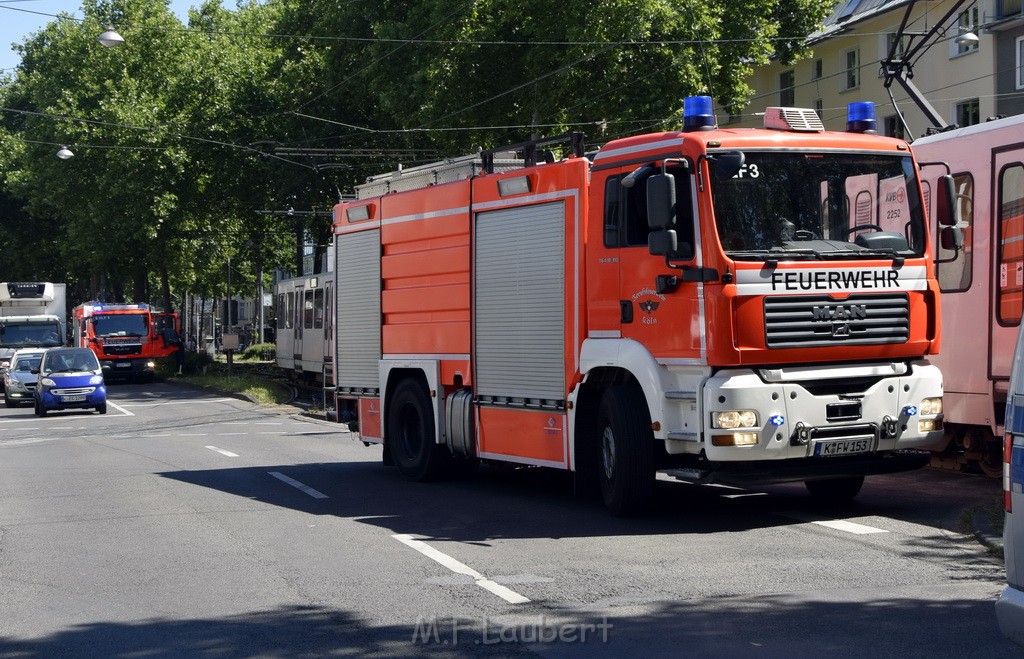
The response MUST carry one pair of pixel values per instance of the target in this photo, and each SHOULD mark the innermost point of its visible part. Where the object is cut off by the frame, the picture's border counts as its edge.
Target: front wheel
(40, 410)
(835, 490)
(410, 433)
(102, 408)
(625, 464)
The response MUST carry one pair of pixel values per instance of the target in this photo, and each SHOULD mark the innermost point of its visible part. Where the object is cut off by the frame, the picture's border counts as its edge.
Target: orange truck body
(126, 338)
(517, 299)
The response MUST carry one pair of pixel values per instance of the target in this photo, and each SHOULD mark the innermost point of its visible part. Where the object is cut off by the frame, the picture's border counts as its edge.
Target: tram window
(318, 308)
(280, 311)
(954, 267)
(1011, 245)
(289, 311)
(307, 311)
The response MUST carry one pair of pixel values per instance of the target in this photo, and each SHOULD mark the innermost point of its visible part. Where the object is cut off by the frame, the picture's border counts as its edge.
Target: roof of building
(849, 12)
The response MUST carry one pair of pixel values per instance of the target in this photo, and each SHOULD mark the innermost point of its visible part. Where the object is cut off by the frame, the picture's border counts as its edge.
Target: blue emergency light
(776, 420)
(697, 113)
(860, 117)
(910, 410)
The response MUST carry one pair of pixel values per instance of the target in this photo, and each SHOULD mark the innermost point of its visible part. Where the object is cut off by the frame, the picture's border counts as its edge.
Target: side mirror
(728, 164)
(947, 210)
(661, 201)
(34, 371)
(951, 238)
(662, 243)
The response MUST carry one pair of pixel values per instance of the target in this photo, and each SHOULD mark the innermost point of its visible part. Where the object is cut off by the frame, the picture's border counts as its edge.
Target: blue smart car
(70, 378)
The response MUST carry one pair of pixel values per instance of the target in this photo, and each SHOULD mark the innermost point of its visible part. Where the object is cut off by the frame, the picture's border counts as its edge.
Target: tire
(40, 410)
(102, 408)
(625, 464)
(8, 402)
(835, 490)
(410, 433)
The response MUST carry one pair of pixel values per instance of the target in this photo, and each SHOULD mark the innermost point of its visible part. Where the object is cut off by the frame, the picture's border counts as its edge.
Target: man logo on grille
(839, 312)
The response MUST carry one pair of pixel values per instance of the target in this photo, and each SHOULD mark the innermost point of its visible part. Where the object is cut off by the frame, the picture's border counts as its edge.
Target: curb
(985, 533)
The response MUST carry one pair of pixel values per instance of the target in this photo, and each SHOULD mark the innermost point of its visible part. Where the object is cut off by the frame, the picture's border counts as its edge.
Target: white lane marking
(148, 436)
(229, 434)
(192, 434)
(183, 402)
(236, 423)
(297, 485)
(268, 423)
(223, 452)
(745, 494)
(120, 409)
(850, 527)
(273, 432)
(504, 593)
(838, 524)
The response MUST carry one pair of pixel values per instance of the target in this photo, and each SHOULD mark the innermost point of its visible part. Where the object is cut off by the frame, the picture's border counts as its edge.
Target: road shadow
(527, 502)
(788, 625)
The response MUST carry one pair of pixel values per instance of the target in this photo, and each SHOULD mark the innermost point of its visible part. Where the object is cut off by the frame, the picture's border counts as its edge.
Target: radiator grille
(821, 320)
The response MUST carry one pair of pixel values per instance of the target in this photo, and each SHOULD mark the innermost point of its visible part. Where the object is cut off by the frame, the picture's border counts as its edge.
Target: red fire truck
(127, 338)
(737, 306)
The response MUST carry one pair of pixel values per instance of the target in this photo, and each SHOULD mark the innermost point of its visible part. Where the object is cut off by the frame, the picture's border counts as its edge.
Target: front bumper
(116, 367)
(808, 413)
(64, 398)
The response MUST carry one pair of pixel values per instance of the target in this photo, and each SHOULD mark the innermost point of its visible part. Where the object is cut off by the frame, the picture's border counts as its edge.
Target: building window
(852, 78)
(1008, 8)
(787, 93)
(894, 127)
(818, 69)
(968, 113)
(1020, 62)
(967, 22)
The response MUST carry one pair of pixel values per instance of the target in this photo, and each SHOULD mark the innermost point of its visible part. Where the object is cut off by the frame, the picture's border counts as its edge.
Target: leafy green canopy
(179, 133)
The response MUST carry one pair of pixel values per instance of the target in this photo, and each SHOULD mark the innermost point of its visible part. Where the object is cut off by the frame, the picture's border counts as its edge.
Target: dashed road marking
(297, 485)
(444, 559)
(837, 524)
(223, 452)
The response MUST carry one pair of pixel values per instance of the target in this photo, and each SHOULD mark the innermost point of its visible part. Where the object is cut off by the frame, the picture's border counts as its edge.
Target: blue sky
(20, 18)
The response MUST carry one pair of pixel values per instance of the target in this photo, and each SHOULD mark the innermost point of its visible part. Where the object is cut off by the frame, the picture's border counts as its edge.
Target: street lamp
(111, 38)
(65, 153)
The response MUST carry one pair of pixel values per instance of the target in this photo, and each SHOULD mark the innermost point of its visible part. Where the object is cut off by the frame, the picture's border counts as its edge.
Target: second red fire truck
(727, 306)
(128, 339)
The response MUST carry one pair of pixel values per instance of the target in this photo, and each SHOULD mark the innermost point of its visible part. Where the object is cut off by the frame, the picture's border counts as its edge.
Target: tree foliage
(185, 134)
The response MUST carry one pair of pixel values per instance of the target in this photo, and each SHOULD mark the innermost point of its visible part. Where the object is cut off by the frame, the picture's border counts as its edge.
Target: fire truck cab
(126, 338)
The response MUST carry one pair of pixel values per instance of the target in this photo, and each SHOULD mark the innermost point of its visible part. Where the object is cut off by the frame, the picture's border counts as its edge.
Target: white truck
(32, 315)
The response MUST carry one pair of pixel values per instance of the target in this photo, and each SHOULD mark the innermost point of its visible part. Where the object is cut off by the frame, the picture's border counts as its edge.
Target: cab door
(665, 319)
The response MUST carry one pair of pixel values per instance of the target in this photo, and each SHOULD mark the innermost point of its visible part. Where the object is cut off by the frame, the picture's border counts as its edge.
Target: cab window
(625, 211)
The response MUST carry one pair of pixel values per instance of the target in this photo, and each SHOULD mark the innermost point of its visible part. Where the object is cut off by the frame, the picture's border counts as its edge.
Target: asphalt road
(189, 524)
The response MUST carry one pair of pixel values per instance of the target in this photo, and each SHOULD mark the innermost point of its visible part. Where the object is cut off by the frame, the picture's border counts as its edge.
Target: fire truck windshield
(120, 325)
(800, 205)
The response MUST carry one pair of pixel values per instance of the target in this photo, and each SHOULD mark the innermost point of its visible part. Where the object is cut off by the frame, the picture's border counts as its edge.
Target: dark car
(70, 378)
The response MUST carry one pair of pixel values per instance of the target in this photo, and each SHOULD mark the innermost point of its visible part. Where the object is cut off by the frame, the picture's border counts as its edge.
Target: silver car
(19, 380)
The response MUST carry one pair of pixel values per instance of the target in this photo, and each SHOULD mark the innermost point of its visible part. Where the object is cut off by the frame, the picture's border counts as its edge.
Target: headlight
(96, 379)
(47, 382)
(931, 406)
(734, 419)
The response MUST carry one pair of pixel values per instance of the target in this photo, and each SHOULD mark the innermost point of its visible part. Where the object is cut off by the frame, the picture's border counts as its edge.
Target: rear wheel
(410, 433)
(835, 490)
(625, 465)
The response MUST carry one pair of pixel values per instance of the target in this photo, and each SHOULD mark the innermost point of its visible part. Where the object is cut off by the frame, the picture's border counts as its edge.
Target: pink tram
(981, 284)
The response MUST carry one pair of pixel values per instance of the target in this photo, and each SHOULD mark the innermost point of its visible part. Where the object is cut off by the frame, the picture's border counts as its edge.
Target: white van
(1010, 606)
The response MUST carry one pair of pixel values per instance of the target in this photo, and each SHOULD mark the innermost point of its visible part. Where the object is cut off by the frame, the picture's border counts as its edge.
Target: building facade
(972, 67)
